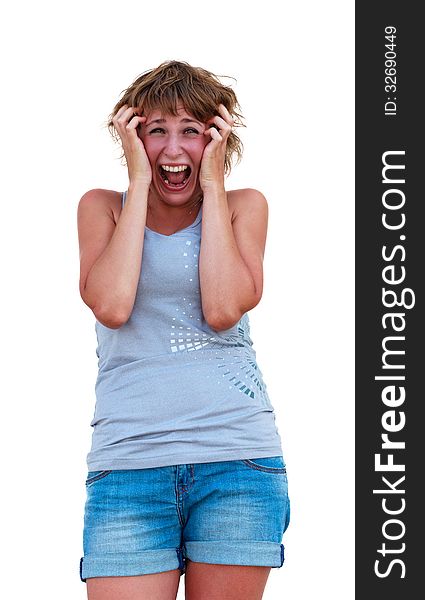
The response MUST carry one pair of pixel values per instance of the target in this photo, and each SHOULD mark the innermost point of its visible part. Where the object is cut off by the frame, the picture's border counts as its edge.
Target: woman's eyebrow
(184, 120)
(189, 121)
(156, 121)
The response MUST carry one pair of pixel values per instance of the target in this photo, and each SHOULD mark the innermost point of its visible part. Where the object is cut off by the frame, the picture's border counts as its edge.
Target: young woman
(186, 471)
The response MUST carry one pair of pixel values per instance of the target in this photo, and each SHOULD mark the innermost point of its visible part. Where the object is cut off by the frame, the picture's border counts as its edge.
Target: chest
(170, 267)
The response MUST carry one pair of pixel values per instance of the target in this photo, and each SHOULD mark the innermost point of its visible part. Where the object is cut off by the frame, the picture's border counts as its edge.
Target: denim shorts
(141, 521)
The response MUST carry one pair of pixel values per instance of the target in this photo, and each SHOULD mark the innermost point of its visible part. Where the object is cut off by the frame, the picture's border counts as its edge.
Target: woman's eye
(161, 130)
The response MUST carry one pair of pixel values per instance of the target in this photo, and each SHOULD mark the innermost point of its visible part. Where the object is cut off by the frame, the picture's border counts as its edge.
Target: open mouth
(175, 180)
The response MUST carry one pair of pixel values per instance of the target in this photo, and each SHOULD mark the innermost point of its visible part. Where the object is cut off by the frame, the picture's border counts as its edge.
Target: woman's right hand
(139, 168)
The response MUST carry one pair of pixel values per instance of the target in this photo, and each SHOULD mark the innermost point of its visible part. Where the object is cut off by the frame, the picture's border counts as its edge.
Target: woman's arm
(111, 255)
(231, 255)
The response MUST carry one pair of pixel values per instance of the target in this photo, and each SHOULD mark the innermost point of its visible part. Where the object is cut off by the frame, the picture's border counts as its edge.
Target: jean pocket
(95, 475)
(269, 464)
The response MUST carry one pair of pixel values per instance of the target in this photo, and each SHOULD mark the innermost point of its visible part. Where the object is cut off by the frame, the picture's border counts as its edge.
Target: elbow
(222, 321)
(111, 318)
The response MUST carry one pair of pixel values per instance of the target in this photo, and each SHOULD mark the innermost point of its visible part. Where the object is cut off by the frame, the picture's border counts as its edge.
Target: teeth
(174, 169)
(176, 184)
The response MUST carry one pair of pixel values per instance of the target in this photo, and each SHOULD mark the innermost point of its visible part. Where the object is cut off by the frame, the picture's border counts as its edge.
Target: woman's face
(174, 141)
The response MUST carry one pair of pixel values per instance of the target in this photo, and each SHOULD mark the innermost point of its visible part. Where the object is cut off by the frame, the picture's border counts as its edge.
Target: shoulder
(101, 200)
(245, 201)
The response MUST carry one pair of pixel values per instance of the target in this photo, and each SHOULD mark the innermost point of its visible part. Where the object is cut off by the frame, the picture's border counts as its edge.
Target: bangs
(167, 96)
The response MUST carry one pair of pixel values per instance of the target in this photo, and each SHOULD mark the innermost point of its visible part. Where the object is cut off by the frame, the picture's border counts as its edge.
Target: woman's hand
(139, 168)
(212, 165)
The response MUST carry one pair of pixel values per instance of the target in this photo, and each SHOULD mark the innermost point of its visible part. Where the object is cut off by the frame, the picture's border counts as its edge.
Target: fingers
(126, 118)
(126, 122)
(224, 124)
(214, 134)
(136, 120)
(227, 116)
(123, 114)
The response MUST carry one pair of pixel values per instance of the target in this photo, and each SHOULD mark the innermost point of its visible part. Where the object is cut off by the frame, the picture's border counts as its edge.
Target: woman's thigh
(224, 582)
(161, 586)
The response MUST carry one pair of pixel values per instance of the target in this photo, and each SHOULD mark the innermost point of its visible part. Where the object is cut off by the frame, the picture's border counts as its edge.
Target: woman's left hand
(211, 173)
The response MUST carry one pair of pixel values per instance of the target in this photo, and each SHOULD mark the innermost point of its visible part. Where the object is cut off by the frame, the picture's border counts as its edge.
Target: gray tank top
(171, 390)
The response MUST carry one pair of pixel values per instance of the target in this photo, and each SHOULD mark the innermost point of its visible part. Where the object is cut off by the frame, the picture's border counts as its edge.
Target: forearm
(111, 284)
(227, 287)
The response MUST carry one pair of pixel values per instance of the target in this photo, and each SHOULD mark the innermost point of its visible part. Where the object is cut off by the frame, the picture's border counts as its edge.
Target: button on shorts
(141, 521)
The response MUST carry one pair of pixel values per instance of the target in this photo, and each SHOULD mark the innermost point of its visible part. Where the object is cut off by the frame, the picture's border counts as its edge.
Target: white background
(64, 68)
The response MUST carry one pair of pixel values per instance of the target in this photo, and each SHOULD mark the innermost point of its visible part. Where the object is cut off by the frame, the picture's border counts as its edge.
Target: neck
(169, 219)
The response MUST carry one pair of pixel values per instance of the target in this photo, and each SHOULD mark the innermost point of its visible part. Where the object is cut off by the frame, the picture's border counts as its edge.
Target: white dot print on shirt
(238, 368)
(194, 340)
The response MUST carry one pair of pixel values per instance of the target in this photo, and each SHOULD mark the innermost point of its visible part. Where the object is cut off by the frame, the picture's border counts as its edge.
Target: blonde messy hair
(199, 90)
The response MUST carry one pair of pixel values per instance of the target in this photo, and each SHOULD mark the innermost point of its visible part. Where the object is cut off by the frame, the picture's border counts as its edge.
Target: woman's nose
(173, 146)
